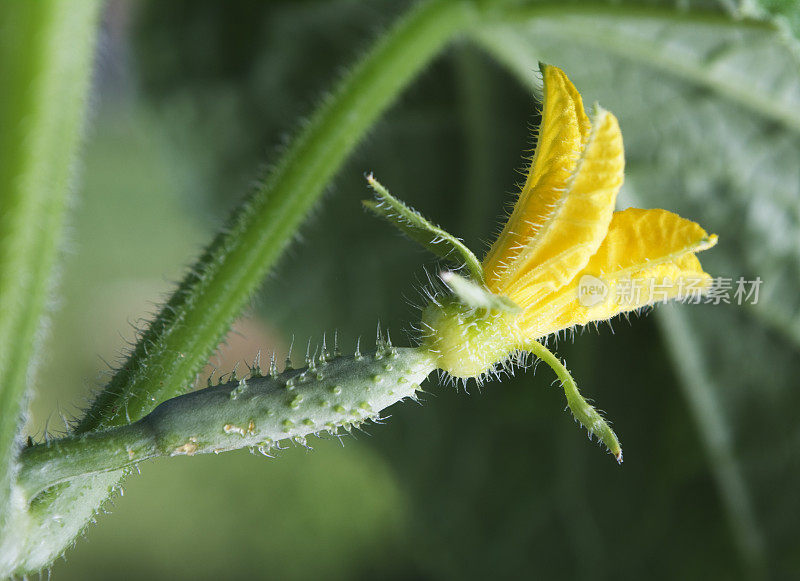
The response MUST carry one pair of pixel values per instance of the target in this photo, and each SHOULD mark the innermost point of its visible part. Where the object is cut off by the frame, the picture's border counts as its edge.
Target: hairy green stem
(46, 50)
(257, 411)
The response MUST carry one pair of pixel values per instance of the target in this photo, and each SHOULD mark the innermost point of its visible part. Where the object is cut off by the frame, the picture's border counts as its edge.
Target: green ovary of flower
(467, 342)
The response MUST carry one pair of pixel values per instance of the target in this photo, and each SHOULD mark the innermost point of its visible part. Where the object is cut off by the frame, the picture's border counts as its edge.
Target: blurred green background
(192, 99)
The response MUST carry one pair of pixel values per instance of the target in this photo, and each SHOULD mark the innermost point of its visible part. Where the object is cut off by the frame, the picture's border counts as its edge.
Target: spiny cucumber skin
(259, 411)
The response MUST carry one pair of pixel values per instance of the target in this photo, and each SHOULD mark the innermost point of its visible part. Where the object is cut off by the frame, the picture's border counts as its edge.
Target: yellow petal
(577, 221)
(647, 256)
(562, 134)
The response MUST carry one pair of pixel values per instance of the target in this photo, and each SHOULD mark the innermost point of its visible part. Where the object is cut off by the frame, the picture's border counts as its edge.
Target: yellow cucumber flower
(563, 258)
(564, 230)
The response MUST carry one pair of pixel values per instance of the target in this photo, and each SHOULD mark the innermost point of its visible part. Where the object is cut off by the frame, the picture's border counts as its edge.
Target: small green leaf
(419, 229)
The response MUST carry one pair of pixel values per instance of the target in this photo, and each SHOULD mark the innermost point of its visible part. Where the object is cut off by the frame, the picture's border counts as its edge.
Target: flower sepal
(421, 230)
(477, 296)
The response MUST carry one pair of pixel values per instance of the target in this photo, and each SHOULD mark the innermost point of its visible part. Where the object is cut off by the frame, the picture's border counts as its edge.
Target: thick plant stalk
(198, 315)
(46, 50)
(258, 411)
